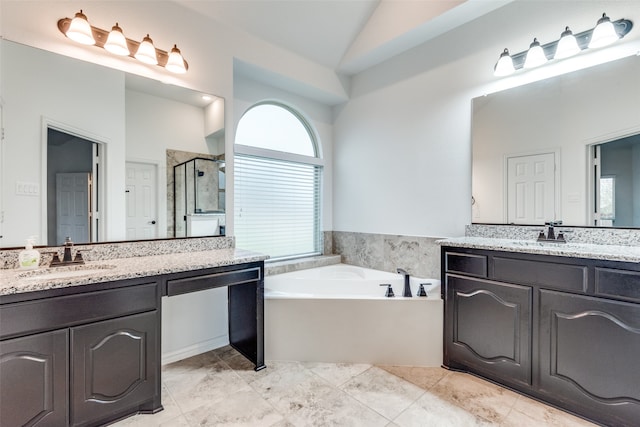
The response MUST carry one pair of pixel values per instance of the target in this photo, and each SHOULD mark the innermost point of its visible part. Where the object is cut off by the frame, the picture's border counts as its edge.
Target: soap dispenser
(29, 258)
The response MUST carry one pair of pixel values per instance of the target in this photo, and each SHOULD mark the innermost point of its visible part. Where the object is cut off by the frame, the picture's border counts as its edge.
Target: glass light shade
(116, 42)
(567, 45)
(147, 52)
(504, 67)
(80, 30)
(535, 55)
(603, 34)
(175, 63)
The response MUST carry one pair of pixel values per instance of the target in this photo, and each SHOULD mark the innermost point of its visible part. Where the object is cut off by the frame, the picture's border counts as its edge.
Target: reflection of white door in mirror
(141, 204)
(531, 189)
(73, 192)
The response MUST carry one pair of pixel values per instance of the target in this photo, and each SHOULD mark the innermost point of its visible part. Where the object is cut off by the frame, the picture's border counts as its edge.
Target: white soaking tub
(339, 313)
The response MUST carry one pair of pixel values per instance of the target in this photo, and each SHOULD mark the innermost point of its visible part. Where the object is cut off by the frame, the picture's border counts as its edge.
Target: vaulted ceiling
(345, 35)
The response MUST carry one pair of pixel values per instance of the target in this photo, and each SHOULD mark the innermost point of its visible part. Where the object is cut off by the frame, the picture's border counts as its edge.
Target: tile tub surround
(221, 388)
(117, 250)
(576, 250)
(17, 281)
(589, 235)
(420, 256)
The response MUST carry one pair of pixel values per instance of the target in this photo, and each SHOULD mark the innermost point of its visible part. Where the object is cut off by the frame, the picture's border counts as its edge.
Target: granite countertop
(13, 281)
(577, 250)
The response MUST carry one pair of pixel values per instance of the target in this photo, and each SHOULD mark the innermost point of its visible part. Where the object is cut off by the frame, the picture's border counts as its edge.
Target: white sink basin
(65, 272)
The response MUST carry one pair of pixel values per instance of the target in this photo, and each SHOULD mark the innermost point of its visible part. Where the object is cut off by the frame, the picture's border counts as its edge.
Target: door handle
(153, 222)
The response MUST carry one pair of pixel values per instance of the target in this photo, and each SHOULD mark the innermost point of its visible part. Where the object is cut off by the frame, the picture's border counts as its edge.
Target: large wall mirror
(566, 148)
(89, 151)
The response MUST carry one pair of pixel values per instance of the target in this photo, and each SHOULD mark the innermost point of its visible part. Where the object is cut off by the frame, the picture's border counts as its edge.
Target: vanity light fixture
(604, 33)
(535, 55)
(567, 45)
(114, 41)
(80, 30)
(147, 52)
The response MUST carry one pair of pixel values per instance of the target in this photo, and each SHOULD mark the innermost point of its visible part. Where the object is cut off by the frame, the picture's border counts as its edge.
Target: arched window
(278, 176)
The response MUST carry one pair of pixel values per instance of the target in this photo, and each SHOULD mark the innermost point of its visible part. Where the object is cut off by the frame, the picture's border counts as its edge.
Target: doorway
(531, 188)
(616, 183)
(73, 185)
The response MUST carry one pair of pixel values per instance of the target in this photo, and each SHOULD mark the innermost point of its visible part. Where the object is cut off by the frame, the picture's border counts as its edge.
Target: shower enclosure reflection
(199, 189)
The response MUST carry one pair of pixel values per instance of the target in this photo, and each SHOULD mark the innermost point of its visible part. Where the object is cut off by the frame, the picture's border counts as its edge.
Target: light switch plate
(27, 188)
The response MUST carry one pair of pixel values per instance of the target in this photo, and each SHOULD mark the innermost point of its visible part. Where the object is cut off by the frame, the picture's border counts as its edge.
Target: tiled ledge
(279, 267)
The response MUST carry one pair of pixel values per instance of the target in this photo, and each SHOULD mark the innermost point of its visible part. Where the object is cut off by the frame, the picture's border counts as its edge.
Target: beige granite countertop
(14, 281)
(577, 250)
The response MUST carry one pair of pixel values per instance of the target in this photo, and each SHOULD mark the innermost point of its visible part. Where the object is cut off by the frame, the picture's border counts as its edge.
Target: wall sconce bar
(101, 35)
(621, 27)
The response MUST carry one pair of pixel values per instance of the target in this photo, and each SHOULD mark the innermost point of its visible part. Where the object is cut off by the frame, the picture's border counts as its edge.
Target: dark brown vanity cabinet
(563, 330)
(79, 359)
(489, 328)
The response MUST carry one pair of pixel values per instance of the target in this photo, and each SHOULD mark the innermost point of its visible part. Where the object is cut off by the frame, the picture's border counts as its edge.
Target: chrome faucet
(67, 259)
(407, 286)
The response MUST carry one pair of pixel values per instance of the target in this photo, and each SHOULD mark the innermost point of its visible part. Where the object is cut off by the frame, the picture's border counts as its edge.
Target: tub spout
(407, 286)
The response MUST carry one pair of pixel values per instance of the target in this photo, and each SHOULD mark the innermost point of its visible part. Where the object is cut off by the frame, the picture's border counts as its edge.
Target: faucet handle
(389, 293)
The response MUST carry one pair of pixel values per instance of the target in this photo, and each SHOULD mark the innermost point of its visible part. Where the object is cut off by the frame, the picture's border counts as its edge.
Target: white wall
(34, 92)
(402, 152)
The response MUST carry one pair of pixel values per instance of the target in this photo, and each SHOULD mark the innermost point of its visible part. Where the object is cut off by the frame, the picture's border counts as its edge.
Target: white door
(531, 186)
(73, 192)
(142, 209)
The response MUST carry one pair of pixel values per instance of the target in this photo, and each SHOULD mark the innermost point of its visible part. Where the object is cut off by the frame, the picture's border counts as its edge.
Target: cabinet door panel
(489, 327)
(114, 366)
(589, 351)
(33, 380)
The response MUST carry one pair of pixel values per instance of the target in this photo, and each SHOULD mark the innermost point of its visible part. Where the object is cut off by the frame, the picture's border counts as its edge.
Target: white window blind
(277, 206)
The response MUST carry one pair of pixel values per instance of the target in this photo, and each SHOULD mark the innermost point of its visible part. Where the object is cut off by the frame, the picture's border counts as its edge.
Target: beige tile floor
(220, 388)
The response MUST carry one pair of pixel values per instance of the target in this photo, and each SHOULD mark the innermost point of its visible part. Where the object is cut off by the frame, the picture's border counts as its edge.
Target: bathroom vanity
(558, 323)
(84, 350)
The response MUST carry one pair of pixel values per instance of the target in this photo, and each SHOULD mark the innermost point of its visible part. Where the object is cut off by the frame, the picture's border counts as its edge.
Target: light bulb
(504, 66)
(80, 30)
(567, 45)
(116, 42)
(175, 63)
(147, 52)
(535, 55)
(603, 34)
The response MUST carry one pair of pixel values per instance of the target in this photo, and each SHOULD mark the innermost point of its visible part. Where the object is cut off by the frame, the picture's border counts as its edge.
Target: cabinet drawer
(474, 265)
(60, 312)
(621, 284)
(214, 280)
(569, 277)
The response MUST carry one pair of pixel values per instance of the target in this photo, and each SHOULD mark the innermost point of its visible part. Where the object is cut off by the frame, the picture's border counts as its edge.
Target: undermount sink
(65, 272)
(535, 243)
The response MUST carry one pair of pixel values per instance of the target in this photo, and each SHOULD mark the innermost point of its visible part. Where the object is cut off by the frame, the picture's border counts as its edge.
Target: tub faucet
(407, 286)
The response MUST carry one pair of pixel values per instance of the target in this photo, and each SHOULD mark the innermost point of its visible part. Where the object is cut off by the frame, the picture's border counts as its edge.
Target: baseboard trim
(195, 349)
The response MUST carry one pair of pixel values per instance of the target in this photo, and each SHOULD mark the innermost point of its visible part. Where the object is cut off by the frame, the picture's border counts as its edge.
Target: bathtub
(339, 313)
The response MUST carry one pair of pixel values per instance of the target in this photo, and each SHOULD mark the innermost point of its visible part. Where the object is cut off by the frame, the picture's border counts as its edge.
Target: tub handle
(389, 293)
(421, 291)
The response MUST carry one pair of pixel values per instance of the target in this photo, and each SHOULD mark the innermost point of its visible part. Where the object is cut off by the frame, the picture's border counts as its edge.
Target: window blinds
(277, 207)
